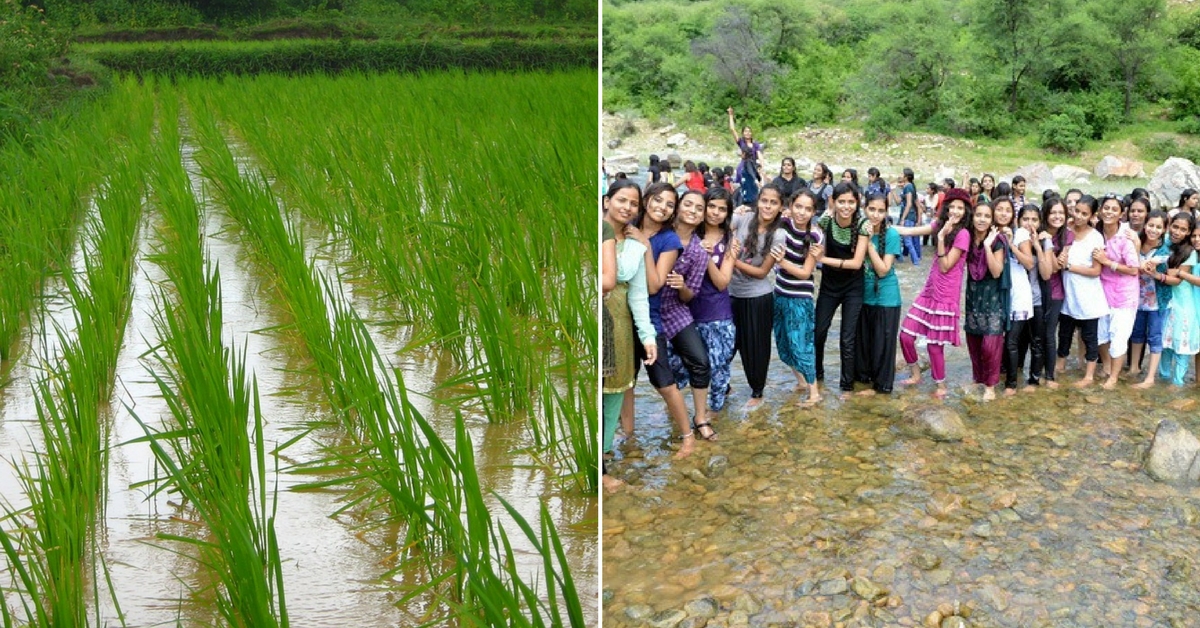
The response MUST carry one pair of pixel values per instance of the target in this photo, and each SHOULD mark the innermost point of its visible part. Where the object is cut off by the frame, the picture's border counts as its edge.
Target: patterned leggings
(718, 338)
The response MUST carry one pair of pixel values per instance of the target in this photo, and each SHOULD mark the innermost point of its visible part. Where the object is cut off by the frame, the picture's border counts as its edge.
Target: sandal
(712, 434)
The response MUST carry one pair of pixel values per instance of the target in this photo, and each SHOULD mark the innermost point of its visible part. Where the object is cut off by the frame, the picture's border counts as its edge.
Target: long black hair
(1058, 239)
(750, 244)
(805, 237)
(1181, 251)
(718, 194)
(652, 190)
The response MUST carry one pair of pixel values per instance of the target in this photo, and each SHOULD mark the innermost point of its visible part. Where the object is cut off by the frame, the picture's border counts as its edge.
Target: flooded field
(269, 384)
(1041, 516)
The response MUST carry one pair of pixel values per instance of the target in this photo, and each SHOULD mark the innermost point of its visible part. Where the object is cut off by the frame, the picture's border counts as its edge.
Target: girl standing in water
(794, 286)
(686, 351)
(1152, 298)
(987, 300)
(1083, 303)
(1121, 265)
(1054, 238)
(934, 314)
(1181, 330)
(711, 308)
(879, 321)
(752, 287)
(1023, 311)
(841, 280)
(627, 303)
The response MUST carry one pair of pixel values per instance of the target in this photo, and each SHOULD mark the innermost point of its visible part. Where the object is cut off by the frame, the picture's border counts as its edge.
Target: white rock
(679, 139)
(1118, 167)
(1070, 174)
(1173, 454)
(1170, 180)
(1038, 177)
(621, 162)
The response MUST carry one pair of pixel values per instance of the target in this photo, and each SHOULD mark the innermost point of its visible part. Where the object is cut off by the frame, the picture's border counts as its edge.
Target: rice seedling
(53, 547)
(208, 453)
(470, 230)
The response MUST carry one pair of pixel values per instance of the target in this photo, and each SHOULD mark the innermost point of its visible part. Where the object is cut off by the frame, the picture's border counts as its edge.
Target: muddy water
(830, 516)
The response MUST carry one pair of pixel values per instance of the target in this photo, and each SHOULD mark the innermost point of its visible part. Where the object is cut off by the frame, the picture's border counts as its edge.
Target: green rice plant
(208, 454)
(471, 230)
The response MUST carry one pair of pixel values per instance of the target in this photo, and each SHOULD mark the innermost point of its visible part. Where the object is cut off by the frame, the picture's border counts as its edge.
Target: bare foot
(1149, 383)
(845, 395)
(1008, 392)
(1083, 383)
(811, 401)
(1029, 388)
(1051, 384)
(870, 392)
(1110, 384)
(989, 393)
(611, 484)
(912, 381)
(941, 391)
(687, 447)
(753, 403)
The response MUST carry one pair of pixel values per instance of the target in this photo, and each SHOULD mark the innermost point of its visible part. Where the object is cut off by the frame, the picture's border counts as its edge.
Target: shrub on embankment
(308, 56)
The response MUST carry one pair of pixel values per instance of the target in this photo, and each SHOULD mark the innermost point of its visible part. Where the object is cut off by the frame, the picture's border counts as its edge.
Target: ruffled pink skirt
(934, 320)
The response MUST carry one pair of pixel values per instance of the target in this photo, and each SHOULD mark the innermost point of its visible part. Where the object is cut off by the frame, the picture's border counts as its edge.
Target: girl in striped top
(794, 321)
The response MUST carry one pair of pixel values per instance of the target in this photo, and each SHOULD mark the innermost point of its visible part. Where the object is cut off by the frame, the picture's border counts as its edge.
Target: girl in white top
(1020, 260)
(1084, 303)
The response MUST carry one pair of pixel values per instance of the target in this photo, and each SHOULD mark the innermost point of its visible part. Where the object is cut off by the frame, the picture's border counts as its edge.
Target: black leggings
(753, 321)
(850, 299)
(875, 362)
(1089, 331)
(690, 347)
(1049, 337)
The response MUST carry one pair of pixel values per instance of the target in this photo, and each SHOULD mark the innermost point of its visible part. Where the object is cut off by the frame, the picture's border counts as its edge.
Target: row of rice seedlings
(48, 177)
(208, 453)
(53, 548)
(464, 237)
(432, 487)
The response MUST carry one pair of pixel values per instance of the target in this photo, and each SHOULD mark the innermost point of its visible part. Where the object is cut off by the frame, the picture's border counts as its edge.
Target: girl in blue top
(879, 321)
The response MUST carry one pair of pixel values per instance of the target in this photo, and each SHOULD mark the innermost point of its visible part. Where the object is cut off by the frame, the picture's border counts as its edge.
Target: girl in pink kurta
(934, 314)
(1120, 262)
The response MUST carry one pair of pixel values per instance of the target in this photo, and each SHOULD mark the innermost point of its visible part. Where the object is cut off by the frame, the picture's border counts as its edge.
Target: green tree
(1023, 41)
(1134, 36)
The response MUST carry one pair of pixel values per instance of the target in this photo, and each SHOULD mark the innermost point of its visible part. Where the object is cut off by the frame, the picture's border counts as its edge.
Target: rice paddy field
(305, 351)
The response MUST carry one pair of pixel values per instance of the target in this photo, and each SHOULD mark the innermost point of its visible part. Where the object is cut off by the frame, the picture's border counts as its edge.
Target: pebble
(832, 587)
(702, 607)
(638, 612)
(666, 619)
(927, 561)
(982, 530)
(939, 577)
(716, 466)
(953, 621)
(694, 622)
(866, 589)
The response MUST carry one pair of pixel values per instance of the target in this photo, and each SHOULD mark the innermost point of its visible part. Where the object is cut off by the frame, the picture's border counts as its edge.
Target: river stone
(1119, 168)
(679, 139)
(953, 621)
(927, 561)
(716, 466)
(836, 586)
(940, 577)
(939, 423)
(1173, 454)
(866, 589)
(694, 622)
(675, 160)
(638, 612)
(702, 607)
(1038, 177)
(748, 603)
(613, 144)
(666, 619)
(1170, 179)
(1070, 174)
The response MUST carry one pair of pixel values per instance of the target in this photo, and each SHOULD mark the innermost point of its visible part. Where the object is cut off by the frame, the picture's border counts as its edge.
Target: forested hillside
(1069, 70)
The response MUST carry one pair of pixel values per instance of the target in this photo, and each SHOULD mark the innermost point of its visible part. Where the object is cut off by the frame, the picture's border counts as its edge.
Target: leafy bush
(1186, 70)
(1102, 111)
(1159, 148)
(1190, 125)
(1066, 132)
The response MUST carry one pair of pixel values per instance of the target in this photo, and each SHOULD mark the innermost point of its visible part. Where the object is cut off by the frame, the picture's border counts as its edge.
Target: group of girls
(712, 282)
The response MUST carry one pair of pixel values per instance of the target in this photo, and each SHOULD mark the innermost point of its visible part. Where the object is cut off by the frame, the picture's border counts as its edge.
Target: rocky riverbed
(1041, 515)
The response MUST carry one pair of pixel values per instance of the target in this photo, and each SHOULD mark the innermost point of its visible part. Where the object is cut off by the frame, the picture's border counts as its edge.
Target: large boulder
(1038, 177)
(1170, 180)
(1070, 175)
(621, 162)
(936, 422)
(675, 160)
(1174, 454)
(1119, 168)
(679, 139)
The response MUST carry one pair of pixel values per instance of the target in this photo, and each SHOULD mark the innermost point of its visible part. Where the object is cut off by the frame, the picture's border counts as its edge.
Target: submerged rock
(717, 466)
(666, 619)
(704, 606)
(939, 423)
(1173, 455)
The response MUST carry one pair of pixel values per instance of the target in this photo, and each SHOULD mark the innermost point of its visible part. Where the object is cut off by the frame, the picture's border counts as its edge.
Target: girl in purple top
(1054, 238)
(686, 351)
(1119, 277)
(711, 308)
(934, 314)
